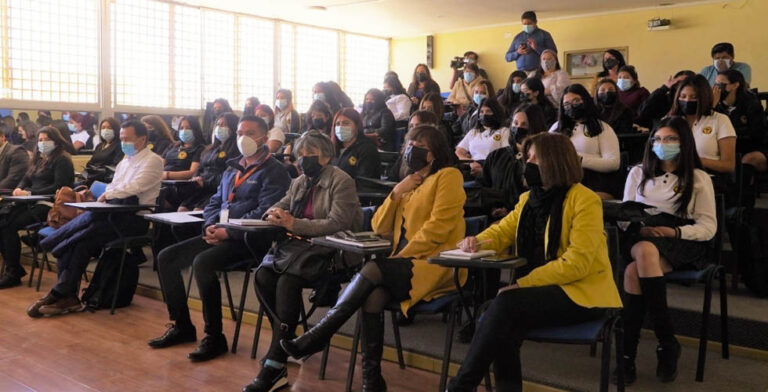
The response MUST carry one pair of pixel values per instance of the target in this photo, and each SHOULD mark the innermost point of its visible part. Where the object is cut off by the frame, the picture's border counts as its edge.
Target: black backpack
(99, 294)
(749, 235)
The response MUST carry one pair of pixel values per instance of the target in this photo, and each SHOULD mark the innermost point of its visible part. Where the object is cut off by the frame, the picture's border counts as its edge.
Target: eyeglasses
(567, 105)
(665, 139)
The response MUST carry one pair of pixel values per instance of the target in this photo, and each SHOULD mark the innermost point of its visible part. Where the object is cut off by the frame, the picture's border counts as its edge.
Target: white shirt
(81, 137)
(138, 175)
(480, 144)
(599, 153)
(660, 192)
(283, 120)
(400, 106)
(708, 130)
(276, 134)
(556, 83)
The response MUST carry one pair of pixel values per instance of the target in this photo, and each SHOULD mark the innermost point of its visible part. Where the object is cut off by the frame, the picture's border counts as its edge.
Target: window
(52, 52)
(140, 53)
(187, 33)
(287, 51)
(219, 56)
(366, 60)
(256, 60)
(317, 59)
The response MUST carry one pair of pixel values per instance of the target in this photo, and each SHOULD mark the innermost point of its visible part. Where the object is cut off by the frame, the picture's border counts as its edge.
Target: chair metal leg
(605, 358)
(35, 260)
(704, 328)
(256, 334)
(241, 311)
(43, 260)
(324, 362)
(229, 297)
(119, 278)
(593, 349)
(448, 346)
(724, 315)
(303, 316)
(398, 342)
(618, 330)
(353, 352)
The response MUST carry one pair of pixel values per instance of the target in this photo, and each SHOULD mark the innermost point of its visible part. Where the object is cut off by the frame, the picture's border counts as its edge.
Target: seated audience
(50, 169)
(421, 84)
(423, 216)
(219, 107)
(433, 102)
(468, 120)
(275, 136)
(509, 96)
(503, 167)
(470, 57)
(489, 134)
(397, 100)
(671, 180)
(182, 159)
(461, 93)
(555, 80)
(378, 121)
(399, 170)
(249, 108)
(106, 155)
(137, 181)
(323, 201)
(528, 44)
(722, 60)
(14, 160)
(594, 140)
(558, 228)
(159, 135)
(355, 154)
(319, 117)
(322, 92)
(252, 183)
(213, 163)
(286, 116)
(611, 109)
(63, 128)
(613, 60)
(658, 104)
(743, 108)
(28, 135)
(532, 91)
(80, 136)
(631, 94)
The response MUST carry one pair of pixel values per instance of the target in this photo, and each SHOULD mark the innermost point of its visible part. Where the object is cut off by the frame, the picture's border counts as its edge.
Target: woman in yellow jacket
(558, 228)
(424, 216)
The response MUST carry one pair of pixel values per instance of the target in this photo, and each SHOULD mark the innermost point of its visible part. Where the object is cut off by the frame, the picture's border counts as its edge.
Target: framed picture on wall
(587, 63)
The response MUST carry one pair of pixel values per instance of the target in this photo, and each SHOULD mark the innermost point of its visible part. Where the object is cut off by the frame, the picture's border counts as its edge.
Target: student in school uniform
(489, 135)
(275, 136)
(105, 155)
(355, 154)
(160, 137)
(286, 116)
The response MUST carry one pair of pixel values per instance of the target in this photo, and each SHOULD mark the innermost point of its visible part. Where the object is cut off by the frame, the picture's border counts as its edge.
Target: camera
(458, 62)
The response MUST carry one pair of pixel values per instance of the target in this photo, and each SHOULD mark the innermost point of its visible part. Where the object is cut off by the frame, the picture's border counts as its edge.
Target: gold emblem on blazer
(706, 130)
(676, 189)
(151, 146)
(352, 161)
(497, 137)
(182, 155)
(222, 154)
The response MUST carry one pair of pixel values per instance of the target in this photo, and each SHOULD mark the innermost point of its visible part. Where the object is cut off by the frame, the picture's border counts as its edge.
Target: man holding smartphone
(529, 44)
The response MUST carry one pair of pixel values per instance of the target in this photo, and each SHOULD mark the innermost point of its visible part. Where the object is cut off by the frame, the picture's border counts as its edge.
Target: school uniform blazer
(582, 268)
(433, 218)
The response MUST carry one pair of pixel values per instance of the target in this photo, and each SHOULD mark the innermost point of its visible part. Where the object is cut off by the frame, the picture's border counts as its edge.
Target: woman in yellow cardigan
(424, 216)
(558, 228)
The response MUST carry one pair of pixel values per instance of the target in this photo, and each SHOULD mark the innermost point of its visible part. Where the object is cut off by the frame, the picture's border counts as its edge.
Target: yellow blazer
(433, 217)
(582, 267)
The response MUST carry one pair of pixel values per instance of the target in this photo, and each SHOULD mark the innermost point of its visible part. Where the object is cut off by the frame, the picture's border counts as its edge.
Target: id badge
(224, 216)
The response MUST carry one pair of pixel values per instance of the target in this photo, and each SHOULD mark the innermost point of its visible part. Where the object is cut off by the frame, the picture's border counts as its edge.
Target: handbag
(297, 256)
(60, 213)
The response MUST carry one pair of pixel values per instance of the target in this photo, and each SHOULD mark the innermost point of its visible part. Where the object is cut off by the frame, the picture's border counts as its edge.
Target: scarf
(543, 206)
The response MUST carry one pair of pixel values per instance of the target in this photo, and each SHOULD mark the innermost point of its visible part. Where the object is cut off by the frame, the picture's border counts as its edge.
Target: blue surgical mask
(221, 133)
(319, 97)
(65, 117)
(469, 77)
(516, 88)
(129, 148)
(624, 84)
(46, 147)
(343, 133)
(281, 103)
(186, 135)
(107, 134)
(529, 28)
(666, 151)
(479, 98)
(71, 127)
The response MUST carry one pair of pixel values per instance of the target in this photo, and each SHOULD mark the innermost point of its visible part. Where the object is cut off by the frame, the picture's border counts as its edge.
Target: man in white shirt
(136, 181)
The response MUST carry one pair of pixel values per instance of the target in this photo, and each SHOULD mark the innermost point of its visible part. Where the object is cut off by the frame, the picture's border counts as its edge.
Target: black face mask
(575, 112)
(415, 157)
(687, 108)
(387, 92)
(318, 123)
(525, 97)
(421, 76)
(532, 175)
(310, 165)
(607, 98)
(489, 121)
(516, 135)
(723, 93)
(610, 63)
(16, 139)
(218, 113)
(367, 106)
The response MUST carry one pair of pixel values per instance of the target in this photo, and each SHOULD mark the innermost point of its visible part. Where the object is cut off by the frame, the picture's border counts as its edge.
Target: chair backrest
(98, 188)
(475, 224)
(612, 234)
(717, 257)
(399, 137)
(367, 216)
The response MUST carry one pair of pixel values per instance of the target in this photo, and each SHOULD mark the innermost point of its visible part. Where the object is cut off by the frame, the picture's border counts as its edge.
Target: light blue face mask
(343, 133)
(479, 98)
(516, 88)
(46, 147)
(469, 77)
(624, 84)
(129, 148)
(221, 133)
(319, 97)
(65, 117)
(186, 136)
(107, 134)
(666, 151)
(71, 127)
(529, 28)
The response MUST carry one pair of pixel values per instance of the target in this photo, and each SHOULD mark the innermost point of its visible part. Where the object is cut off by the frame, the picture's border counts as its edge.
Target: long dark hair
(356, 118)
(341, 96)
(566, 124)
(322, 107)
(437, 104)
(619, 57)
(394, 83)
(536, 121)
(330, 97)
(509, 98)
(498, 113)
(735, 76)
(687, 161)
(38, 162)
(437, 144)
(415, 80)
(535, 84)
(197, 131)
(703, 95)
(232, 123)
(379, 101)
(63, 129)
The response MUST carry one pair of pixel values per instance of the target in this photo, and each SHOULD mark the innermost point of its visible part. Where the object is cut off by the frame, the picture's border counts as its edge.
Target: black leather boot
(632, 314)
(314, 340)
(373, 346)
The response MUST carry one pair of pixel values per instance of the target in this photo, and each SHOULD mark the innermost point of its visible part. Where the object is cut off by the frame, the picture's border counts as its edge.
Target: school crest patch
(222, 154)
(182, 155)
(706, 130)
(352, 161)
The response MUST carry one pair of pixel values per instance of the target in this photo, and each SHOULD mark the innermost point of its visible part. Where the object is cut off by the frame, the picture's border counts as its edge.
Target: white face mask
(108, 134)
(548, 65)
(221, 133)
(247, 146)
(722, 64)
(281, 103)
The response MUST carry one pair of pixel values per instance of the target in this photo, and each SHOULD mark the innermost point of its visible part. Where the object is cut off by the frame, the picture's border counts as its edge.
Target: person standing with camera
(528, 45)
(458, 64)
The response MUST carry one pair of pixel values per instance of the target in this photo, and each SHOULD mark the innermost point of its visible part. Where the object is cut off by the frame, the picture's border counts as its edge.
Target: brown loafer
(34, 309)
(61, 306)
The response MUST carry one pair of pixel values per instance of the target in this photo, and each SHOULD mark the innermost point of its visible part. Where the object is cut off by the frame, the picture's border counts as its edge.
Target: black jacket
(14, 162)
(381, 123)
(361, 159)
(46, 180)
(748, 120)
(503, 171)
(656, 106)
(103, 156)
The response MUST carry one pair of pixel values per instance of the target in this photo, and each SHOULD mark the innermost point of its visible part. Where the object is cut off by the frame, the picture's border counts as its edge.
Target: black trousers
(10, 244)
(206, 260)
(502, 328)
(282, 294)
(75, 258)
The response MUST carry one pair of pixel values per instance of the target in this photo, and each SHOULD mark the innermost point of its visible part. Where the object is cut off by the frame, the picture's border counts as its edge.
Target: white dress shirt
(137, 175)
(708, 130)
(481, 143)
(599, 153)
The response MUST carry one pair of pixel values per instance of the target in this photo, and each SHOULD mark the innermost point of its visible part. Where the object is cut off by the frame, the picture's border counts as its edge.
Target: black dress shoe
(269, 380)
(210, 347)
(8, 281)
(173, 336)
(630, 373)
(667, 356)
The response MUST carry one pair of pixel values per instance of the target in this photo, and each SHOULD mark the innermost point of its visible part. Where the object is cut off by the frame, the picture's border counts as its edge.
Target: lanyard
(240, 180)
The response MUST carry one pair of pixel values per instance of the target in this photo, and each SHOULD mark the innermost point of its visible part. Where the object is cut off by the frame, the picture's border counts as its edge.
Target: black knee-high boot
(373, 346)
(668, 349)
(748, 187)
(632, 315)
(314, 340)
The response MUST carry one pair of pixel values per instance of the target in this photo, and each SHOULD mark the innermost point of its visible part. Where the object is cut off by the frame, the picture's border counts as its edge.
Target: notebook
(459, 254)
(249, 222)
(366, 239)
